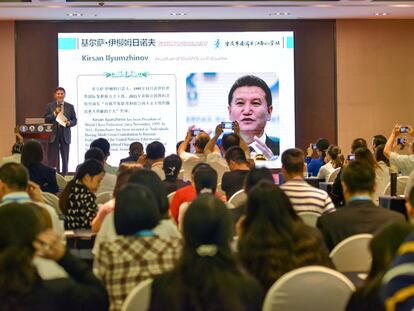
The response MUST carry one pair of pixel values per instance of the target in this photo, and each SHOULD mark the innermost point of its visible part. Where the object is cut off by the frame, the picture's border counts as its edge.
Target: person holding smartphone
(404, 163)
(250, 104)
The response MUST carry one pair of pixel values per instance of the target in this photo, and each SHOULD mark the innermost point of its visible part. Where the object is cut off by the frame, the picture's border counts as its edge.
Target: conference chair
(332, 176)
(52, 200)
(61, 181)
(401, 184)
(353, 254)
(238, 198)
(139, 298)
(312, 288)
(309, 218)
(103, 197)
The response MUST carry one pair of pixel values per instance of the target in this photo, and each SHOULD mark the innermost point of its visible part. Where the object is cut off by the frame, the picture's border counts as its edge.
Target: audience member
(337, 192)
(273, 240)
(78, 200)
(382, 172)
(303, 196)
(233, 181)
(383, 248)
(205, 181)
(331, 162)
(135, 151)
(378, 140)
(360, 215)
(410, 185)
(206, 277)
(138, 253)
(21, 287)
(404, 163)
(16, 187)
(105, 146)
(44, 176)
(398, 282)
(313, 165)
(109, 180)
(16, 151)
(172, 167)
(192, 159)
(154, 158)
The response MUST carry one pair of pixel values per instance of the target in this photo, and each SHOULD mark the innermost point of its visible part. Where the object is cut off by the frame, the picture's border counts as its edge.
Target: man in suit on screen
(62, 116)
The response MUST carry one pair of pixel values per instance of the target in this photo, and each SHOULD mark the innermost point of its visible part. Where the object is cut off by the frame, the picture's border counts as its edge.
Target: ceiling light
(178, 14)
(74, 14)
(401, 5)
(381, 14)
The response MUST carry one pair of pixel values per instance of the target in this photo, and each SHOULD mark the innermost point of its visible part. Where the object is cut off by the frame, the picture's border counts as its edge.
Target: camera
(314, 147)
(401, 141)
(227, 125)
(350, 157)
(195, 132)
(403, 129)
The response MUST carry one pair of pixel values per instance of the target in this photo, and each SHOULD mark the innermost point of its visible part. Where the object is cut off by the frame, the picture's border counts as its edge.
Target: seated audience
(404, 163)
(303, 196)
(21, 287)
(135, 151)
(154, 158)
(191, 159)
(382, 172)
(16, 152)
(377, 141)
(313, 165)
(16, 187)
(360, 214)
(337, 192)
(109, 180)
(398, 282)
(105, 146)
(78, 199)
(207, 276)
(205, 181)
(233, 181)
(331, 162)
(138, 253)
(410, 185)
(44, 176)
(166, 227)
(273, 240)
(172, 167)
(383, 248)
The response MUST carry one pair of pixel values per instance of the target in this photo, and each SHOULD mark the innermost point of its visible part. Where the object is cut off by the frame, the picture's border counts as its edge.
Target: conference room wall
(375, 77)
(36, 54)
(7, 87)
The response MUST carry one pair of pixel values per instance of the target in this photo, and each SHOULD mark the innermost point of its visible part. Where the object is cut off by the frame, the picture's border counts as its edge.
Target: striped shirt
(306, 198)
(398, 282)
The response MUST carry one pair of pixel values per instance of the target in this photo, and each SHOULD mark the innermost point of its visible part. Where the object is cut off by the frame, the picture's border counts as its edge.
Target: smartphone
(195, 132)
(314, 147)
(403, 129)
(350, 157)
(401, 141)
(227, 125)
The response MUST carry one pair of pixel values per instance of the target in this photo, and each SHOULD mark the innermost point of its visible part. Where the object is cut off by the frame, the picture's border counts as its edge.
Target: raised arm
(210, 145)
(391, 140)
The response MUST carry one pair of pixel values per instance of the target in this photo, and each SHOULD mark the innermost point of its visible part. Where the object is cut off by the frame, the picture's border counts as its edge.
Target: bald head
(201, 141)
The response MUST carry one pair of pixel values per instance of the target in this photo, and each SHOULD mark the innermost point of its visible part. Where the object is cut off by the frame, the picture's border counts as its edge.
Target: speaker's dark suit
(354, 218)
(60, 137)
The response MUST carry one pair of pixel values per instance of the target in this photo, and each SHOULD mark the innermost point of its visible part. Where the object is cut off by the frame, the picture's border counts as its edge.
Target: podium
(35, 128)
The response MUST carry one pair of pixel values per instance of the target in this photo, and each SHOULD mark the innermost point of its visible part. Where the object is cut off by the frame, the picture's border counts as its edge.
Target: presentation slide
(145, 87)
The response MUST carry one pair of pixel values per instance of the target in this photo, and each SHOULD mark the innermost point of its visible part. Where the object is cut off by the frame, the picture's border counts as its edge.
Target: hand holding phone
(350, 157)
(195, 132)
(227, 125)
(403, 129)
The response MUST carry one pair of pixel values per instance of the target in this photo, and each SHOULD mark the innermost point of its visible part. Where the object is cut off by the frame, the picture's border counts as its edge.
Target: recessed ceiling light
(381, 14)
(178, 14)
(279, 14)
(74, 14)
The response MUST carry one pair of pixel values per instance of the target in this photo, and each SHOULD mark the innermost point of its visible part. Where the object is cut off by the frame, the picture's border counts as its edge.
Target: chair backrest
(52, 200)
(312, 288)
(238, 198)
(139, 298)
(332, 176)
(170, 197)
(353, 254)
(103, 197)
(401, 184)
(61, 181)
(309, 218)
